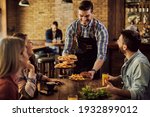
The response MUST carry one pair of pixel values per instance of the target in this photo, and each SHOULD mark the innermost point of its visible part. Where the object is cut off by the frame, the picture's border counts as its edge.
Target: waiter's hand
(92, 74)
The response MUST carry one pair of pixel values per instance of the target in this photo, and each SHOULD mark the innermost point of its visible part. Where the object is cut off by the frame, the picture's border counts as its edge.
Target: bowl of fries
(78, 77)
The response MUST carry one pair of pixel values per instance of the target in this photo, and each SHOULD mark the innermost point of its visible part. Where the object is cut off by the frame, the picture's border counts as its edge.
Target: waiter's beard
(85, 23)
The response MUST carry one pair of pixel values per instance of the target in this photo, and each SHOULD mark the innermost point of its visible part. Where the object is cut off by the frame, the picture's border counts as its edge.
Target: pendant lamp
(24, 3)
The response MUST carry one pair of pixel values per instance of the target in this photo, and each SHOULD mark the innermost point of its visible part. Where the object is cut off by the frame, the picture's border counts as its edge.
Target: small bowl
(50, 85)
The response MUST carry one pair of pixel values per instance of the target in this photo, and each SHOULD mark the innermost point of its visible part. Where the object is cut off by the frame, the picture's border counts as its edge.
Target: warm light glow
(24, 3)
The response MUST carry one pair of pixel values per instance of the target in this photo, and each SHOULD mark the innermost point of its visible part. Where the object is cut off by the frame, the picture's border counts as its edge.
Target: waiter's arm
(98, 64)
(102, 42)
(68, 40)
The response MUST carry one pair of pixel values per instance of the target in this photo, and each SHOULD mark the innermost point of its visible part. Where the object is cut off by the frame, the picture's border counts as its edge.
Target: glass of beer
(54, 41)
(58, 40)
(73, 97)
(104, 79)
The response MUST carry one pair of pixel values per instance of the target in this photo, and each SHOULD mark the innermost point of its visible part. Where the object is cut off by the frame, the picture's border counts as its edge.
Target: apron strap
(93, 29)
(78, 30)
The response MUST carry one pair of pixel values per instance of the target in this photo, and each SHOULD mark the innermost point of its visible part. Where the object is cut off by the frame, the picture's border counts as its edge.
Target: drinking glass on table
(58, 40)
(54, 41)
(104, 79)
(72, 97)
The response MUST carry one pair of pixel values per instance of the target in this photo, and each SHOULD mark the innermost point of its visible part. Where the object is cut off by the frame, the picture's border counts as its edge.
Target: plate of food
(72, 57)
(69, 62)
(69, 57)
(88, 93)
(64, 66)
(78, 77)
(63, 58)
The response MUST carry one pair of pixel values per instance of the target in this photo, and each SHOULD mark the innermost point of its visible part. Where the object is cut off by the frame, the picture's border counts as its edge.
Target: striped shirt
(100, 33)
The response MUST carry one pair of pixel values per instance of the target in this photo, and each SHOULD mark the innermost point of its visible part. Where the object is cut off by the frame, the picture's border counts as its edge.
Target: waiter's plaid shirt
(101, 36)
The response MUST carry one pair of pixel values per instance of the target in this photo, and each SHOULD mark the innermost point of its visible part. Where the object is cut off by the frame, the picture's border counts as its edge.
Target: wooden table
(38, 48)
(54, 44)
(69, 87)
(59, 45)
(72, 88)
(44, 45)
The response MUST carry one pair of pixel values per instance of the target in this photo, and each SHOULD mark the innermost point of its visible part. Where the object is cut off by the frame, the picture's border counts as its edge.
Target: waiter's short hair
(132, 39)
(55, 23)
(86, 5)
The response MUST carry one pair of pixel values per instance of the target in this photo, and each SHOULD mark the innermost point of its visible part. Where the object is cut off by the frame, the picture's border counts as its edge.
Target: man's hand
(111, 78)
(109, 88)
(92, 74)
(116, 81)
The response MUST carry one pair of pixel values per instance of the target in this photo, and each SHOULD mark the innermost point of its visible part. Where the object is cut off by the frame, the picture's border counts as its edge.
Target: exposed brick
(35, 19)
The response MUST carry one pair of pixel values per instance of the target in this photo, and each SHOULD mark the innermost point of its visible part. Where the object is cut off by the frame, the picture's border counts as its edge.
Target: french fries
(76, 77)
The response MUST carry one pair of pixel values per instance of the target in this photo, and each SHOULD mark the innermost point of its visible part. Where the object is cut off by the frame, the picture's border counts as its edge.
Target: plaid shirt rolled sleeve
(69, 39)
(102, 41)
(101, 36)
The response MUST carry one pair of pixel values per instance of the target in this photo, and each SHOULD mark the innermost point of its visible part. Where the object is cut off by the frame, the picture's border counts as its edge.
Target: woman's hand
(31, 69)
(46, 79)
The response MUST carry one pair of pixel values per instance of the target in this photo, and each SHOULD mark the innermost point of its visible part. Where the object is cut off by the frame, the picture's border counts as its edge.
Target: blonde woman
(27, 87)
(28, 78)
(11, 55)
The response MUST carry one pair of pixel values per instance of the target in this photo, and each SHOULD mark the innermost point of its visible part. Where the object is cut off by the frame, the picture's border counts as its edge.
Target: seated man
(53, 35)
(135, 72)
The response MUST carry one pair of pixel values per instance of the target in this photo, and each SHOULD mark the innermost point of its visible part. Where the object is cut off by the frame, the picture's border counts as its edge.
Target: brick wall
(3, 16)
(36, 18)
(12, 16)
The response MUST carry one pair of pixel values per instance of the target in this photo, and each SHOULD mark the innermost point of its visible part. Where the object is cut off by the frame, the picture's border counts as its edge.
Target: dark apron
(87, 54)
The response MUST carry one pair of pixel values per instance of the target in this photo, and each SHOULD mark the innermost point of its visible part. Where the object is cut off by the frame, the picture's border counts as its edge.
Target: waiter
(87, 38)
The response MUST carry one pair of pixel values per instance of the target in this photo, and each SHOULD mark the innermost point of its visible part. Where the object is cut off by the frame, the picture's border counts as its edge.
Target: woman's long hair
(10, 50)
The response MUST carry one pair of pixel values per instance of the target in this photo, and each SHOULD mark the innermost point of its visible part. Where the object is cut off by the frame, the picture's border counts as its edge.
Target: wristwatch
(93, 70)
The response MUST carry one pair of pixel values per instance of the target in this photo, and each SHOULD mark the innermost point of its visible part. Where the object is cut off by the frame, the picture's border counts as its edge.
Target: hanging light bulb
(24, 3)
(68, 1)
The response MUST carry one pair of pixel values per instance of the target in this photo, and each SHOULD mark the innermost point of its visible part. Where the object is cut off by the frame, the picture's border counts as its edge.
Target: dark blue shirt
(49, 35)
